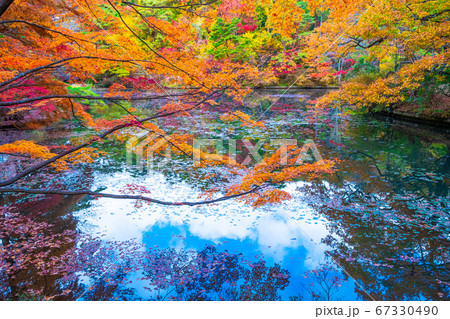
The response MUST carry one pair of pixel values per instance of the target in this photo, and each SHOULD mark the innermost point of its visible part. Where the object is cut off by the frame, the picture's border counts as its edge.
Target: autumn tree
(384, 52)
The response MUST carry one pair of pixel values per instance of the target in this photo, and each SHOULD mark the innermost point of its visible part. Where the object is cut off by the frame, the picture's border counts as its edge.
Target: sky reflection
(288, 234)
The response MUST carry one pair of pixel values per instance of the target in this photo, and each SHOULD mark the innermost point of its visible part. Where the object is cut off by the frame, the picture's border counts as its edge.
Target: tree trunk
(4, 5)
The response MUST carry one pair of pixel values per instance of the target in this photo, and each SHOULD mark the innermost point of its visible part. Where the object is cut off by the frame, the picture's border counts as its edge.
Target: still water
(376, 229)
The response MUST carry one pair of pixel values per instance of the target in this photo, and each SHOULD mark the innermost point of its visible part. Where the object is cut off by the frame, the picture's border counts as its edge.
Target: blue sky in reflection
(288, 234)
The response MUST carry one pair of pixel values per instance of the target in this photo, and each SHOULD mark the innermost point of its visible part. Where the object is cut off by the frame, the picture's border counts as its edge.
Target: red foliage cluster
(247, 25)
(346, 67)
(28, 90)
(140, 83)
(288, 66)
(343, 72)
(284, 69)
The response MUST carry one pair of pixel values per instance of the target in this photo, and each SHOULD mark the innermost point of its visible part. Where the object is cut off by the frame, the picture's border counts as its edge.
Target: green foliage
(307, 19)
(261, 16)
(120, 72)
(438, 150)
(363, 67)
(225, 43)
(98, 108)
(86, 91)
(434, 83)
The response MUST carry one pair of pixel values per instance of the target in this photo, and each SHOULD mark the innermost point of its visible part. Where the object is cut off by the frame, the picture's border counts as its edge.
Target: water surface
(376, 229)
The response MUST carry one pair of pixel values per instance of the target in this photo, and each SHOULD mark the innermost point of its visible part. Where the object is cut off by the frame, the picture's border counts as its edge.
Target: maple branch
(117, 196)
(149, 130)
(432, 16)
(17, 155)
(54, 64)
(180, 7)
(4, 5)
(359, 41)
(170, 7)
(89, 7)
(17, 86)
(90, 97)
(62, 62)
(70, 37)
(151, 25)
(150, 48)
(123, 108)
(92, 140)
(428, 17)
(73, 113)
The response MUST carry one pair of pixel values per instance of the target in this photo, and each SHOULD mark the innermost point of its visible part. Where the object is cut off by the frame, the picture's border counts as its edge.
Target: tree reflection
(395, 247)
(212, 275)
(32, 256)
(38, 262)
(388, 209)
(324, 282)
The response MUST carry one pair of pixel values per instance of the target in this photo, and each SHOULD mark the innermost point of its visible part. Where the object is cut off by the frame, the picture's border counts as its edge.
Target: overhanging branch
(62, 61)
(68, 36)
(118, 196)
(4, 5)
(90, 97)
(92, 140)
(182, 7)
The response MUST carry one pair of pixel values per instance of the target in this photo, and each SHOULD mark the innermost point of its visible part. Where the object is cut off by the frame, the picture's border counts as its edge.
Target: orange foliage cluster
(29, 148)
(245, 119)
(284, 16)
(36, 151)
(180, 108)
(401, 41)
(282, 166)
(383, 91)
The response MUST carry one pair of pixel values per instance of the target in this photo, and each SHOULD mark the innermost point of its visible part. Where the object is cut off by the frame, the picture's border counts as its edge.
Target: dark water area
(378, 228)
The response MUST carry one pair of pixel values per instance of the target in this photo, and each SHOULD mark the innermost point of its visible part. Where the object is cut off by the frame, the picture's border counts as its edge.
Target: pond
(376, 229)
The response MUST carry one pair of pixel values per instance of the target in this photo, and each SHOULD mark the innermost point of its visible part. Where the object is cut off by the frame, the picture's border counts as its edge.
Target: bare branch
(358, 43)
(68, 36)
(4, 5)
(73, 113)
(170, 7)
(90, 97)
(117, 196)
(151, 25)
